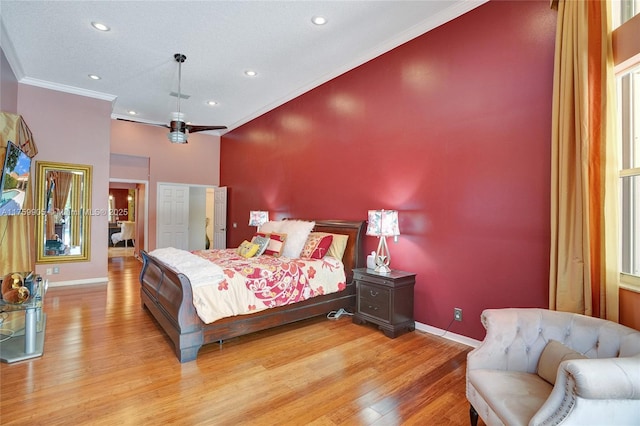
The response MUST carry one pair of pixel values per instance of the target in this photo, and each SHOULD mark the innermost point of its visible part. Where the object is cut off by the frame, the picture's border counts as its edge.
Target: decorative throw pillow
(338, 245)
(297, 232)
(271, 226)
(262, 242)
(317, 245)
(551, 357)
(247, 249)
(276, 244)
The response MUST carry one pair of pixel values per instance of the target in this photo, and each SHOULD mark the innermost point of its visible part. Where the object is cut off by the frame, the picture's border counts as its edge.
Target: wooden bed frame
(167, 295)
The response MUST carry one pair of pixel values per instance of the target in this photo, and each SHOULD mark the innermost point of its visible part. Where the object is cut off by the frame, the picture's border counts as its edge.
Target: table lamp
(258, 218)
(383, 224)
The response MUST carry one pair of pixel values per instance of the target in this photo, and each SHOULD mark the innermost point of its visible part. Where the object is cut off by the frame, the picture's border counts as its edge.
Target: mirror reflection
(63, 196)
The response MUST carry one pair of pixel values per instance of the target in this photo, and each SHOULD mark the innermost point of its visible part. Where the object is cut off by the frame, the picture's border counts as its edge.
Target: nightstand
(385, 300)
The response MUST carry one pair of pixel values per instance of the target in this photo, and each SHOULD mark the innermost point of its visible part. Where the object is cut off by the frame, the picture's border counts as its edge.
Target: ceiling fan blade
(142, 122)
(192, 129)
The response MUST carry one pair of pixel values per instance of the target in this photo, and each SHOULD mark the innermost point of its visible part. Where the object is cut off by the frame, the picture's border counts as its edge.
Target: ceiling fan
(178, 128)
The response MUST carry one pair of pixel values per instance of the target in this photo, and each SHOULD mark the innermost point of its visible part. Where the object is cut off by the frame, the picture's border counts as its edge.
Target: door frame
(145, 216)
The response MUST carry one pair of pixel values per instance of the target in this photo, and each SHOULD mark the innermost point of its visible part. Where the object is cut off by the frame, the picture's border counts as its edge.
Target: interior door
(173, 216)
(220, 218)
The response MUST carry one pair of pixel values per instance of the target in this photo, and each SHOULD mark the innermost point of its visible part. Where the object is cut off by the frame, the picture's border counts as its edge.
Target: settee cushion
(513, 396)
(551, 357)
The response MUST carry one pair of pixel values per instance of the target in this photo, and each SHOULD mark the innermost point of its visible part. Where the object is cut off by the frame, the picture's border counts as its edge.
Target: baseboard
(448, 335)
(102, 280)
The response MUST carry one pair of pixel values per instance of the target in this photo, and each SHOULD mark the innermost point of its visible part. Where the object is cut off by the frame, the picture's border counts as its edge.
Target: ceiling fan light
(177, 137)
(319, 20)
(100, 26)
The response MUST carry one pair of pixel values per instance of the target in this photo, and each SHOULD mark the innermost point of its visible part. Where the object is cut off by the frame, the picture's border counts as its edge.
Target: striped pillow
(276, 244)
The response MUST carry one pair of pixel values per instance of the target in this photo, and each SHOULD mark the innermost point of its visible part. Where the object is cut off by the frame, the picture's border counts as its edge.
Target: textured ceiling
(52, 44)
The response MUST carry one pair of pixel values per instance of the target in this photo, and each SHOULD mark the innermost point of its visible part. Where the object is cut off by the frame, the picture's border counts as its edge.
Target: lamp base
(383, 258)
(382, 269)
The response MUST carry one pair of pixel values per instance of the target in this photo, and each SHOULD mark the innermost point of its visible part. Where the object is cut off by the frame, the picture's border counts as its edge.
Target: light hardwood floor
(106, 362)
(121, 251)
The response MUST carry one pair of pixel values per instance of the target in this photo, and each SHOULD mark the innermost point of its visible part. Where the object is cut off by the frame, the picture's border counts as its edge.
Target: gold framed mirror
(63, 204)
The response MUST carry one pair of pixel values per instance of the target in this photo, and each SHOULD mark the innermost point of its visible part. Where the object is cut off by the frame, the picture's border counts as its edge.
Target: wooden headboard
(354, 253)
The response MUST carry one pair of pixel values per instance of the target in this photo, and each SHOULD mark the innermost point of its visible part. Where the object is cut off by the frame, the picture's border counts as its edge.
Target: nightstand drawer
(374, 301)
(376, 308)
(374, 280)
(373, 293)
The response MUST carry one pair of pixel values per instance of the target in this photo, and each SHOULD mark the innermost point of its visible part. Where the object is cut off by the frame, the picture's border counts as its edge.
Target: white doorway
(141, 215)
(132, 172)
(191, 217)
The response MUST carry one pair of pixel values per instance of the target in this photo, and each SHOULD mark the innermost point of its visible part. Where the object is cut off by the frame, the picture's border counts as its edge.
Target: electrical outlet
(457, 314)
(56, 270)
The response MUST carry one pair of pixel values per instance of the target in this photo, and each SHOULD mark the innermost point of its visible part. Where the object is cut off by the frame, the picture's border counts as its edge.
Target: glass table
(22, 327)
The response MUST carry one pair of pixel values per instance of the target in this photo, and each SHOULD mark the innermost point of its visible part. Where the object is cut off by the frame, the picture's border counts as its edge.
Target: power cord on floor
(447, 330)
(334, 315)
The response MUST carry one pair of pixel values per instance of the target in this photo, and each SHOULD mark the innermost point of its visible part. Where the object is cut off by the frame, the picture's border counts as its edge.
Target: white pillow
(297, 233)
(271, 227)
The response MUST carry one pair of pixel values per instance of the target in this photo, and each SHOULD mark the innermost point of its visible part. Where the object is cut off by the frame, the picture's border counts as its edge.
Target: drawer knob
(374, 308)
(373, 293)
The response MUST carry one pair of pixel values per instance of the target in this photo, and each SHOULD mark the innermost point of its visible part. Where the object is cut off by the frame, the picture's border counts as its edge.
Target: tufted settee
(506, 387)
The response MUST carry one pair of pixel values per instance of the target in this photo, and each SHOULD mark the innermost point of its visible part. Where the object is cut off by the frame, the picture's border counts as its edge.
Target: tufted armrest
(604, 378)
(613, 381)
(515, 339)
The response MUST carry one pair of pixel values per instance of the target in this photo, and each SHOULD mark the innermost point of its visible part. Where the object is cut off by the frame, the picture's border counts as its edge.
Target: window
(628, 86)
(629, 132)
(623, 10)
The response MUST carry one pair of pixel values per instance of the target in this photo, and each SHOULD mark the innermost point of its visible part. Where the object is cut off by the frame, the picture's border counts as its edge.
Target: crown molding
(67, 89)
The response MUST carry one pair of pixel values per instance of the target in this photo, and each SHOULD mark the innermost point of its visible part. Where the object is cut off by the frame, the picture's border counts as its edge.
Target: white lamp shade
(383, 223)
(258, 217)
(177, 137)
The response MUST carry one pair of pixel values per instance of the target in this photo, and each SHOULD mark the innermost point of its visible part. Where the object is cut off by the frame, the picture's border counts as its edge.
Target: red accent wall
(121, 203)
(452, 129)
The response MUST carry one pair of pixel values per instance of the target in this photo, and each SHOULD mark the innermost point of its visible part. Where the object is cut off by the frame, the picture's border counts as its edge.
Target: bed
(168, 296)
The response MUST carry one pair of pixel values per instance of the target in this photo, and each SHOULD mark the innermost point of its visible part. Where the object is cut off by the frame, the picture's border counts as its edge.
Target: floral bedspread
(262, 282)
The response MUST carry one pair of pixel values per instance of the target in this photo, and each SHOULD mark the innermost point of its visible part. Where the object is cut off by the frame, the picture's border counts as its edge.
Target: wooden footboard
(167, 295)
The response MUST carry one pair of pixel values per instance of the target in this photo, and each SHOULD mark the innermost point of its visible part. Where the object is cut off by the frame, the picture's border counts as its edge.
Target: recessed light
(212, 103)
(94, 77)
(250, 73)
(100, 26)
(132, 113)
(319, 20)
